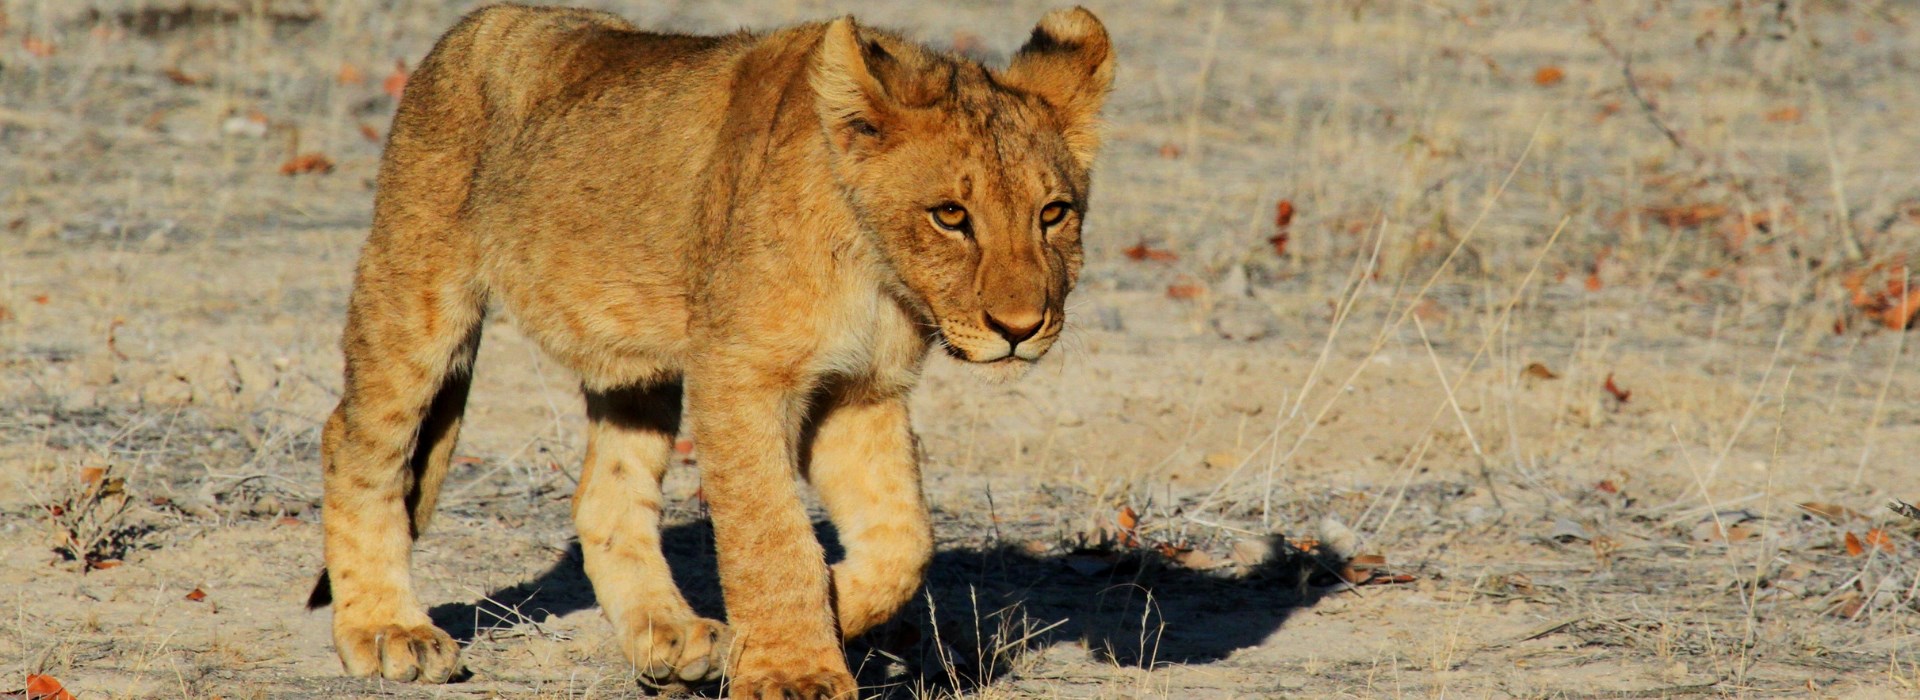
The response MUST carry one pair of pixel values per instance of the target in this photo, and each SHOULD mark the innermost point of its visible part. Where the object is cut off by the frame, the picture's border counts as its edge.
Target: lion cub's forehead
(1007, 140)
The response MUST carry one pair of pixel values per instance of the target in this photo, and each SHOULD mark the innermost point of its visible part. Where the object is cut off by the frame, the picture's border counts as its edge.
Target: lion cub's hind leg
(617, 511)
(385, 452)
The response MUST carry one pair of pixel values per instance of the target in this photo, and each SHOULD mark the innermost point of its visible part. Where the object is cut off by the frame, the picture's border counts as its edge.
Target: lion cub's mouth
(999, 370)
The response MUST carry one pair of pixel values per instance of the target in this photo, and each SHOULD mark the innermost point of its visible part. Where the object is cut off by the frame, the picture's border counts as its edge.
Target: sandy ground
(1502, 209)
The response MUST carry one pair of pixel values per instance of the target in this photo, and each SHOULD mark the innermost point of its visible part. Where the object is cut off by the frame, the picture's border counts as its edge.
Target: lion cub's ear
(853, 105)
(1069, 63)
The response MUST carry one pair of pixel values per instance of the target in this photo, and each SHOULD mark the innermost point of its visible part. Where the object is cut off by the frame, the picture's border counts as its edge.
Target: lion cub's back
(531, 55)
(585, 188)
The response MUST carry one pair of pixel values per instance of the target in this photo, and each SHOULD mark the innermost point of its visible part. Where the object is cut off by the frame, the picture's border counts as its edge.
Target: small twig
(1904, 508)
(1633, 87)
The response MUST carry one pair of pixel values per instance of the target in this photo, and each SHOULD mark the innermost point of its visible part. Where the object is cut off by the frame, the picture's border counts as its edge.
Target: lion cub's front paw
(399, 653)
(818, 685)
(687, 650)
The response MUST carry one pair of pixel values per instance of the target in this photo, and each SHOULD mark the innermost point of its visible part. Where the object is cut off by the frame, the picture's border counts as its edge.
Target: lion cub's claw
(819, 685)
(692, 651)
(398, 653)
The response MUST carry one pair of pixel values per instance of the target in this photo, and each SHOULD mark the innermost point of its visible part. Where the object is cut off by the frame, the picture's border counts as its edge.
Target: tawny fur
(745, 221)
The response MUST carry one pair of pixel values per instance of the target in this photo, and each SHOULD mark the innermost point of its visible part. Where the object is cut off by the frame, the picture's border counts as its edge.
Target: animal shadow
(983, 608)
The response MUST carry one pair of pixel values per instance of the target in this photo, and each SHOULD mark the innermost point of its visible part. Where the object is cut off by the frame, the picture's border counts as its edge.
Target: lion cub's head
(974, 180)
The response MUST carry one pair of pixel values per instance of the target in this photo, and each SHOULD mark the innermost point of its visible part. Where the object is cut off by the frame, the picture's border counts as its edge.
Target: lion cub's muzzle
(1014, 338)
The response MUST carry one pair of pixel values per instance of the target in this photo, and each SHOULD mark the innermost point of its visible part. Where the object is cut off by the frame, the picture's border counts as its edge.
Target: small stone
(1242, 318)
(1566, 531)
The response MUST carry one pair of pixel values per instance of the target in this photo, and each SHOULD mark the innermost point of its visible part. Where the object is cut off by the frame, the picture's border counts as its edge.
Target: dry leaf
(1549, 76)
(1539, 371)
(1854, 547)
(1283, 214)
(289, 521)
(91, 475)
(1170, 151)
(42, 687)
(1429, 310)
(1847, 605)
(396, 83)
(196, 595)
(1141, 251)
(1358, 569)
(1899, 315)
(350, 75)
(1784, 115)
(1688, 215)
(1185, 291)
(307, 163)
(41, 299)
(369, 133)
(683, 446)
(1878, 538)
(1128, 519)
(1832, 512)
(1607, 486)
(1196, 559)
(40, 48)
(1593, 281)
(1620, 395)
(180, 77)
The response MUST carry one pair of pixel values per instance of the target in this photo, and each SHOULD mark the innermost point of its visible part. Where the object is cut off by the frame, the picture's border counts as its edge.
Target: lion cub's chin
(1006, 370)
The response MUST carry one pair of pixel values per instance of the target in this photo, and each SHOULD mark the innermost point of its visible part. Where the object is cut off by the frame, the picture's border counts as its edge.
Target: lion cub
(780, 225)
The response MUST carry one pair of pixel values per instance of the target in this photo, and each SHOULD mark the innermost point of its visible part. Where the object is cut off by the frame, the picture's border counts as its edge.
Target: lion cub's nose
(1017, 326)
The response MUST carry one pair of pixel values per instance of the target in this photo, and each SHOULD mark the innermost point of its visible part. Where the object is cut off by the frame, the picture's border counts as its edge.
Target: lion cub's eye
(1053, 213)
(950, 217)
